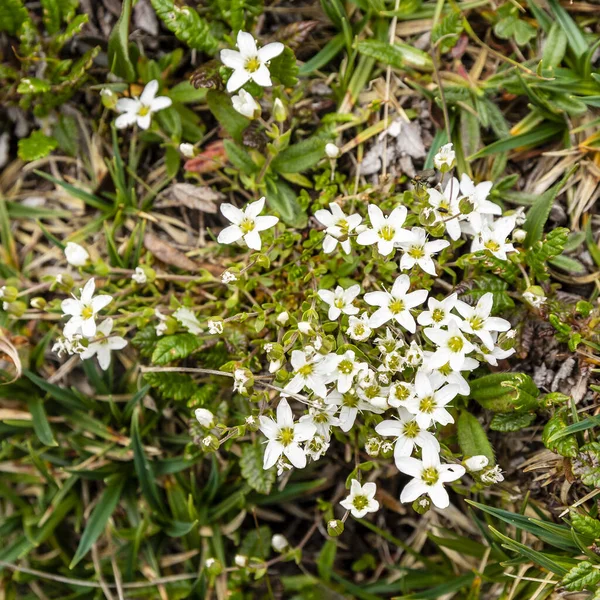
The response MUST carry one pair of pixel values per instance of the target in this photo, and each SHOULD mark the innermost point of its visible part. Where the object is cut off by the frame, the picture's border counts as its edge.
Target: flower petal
(266, 53)
(149, 92)
(230, 234)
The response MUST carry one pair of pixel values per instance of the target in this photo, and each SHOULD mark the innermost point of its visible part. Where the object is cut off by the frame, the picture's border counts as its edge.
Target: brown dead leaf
(167, 254)
(7, 348)
(212, 159)
(196, 197)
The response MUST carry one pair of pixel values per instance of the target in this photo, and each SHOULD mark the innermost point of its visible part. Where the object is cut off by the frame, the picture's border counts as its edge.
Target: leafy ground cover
(149, 327)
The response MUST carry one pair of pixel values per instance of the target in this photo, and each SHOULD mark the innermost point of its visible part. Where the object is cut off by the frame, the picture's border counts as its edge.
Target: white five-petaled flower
(250, 62)
(285, 437)
(139, 110)
(76, 255)
(359, 328)
(311, 370)
(418, 251)
(338, 227)
(105, 343)
(446, 208)
(452, 347)
(246, 224)
(429, 477)
(323, 418)
(349, 405)
(428, 404)
(361, 499)
(340, 301)
(386, 232)
(439, 313)
(139, 276)
(396, 304)
(477, 196)
(477, 319)
(444, 374)
(408, 434)
(445, 157)
(83, 311)
(346, 370)
(493, 237)
(245, 104)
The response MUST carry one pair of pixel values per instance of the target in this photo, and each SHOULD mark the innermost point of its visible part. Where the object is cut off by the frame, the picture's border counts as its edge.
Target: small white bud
(477, 463)
(76, 255)
(187, 150)
(332, 150)
(204, 417)
(279, 543)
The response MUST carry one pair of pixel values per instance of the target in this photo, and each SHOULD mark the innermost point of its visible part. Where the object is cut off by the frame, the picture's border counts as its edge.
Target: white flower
(400, 392)
(249, 62)
(477, 463)
(83, 311)
(408, 434)
(386, 232)
(240, 561)
(477, 196)
(317, 446)
(429, 477)
(240, 377)
(139, 110)
(76, 255)
(346, 370)
(396, 304)
(444, 373)
(537, 300)
(340, 301)
(338, 226)
(349, 404)
(323, 419)
(310, 370)
(414, 354)
(477, 320)
(215, 327)
(245, 104)
(285, 436)
(370, 389)
(498, 353)
(361, 499)
(68, 346)
(246, 224)
(139, 276)
(358, 328)
(452, 347)
(493, 238)
(493, 475)
(445, 157)
(283, 317)
(204, 417)
(188, 320)
(439, 313)
(279, 543)
(105, 343)
(446, 208)
(332, 150)
(429, 405)
(418, 251)
(228, 277)
(162, 325)
(188, 150)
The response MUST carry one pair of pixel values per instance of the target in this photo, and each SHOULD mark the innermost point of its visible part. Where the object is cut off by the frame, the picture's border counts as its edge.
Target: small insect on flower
(340, 301)
(429, 477)
(139, 110)
(246, 224)
(361, 499)
(83, 311)
(76, 255)
(284, 437)
(104, 344)
(246, 105)
(445, 207)
(249, 63)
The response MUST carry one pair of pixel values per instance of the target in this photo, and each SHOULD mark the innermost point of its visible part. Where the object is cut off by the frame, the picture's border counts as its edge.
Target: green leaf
(584, 524)
(33, 85)
(575, 428)
(398, 55)
(143, 468)
(251, 466)
(449, 28)
(505, 392)
(177, 386)
(175, 347)
(99, 518)
(220, 106)
(36, 146)
(585, 575)
(12, 15)
(541, 252)
(513, 421)
(489, 284)
(239, 158)
(284, 68)
(282, 198)
(472, 438)
(331, 49)
(145, 341)
(326, 560)
(555, 46)
(187, 25)
(566, 445)
(40, 421)
(575, 37)
(301, 156)
(57, 11)
(119, 61)
(66, 397)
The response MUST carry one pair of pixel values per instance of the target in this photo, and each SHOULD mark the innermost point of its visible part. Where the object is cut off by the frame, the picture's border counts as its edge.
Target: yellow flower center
(396, 307)
(360, 502)
(286, 435)
(438, 315)
(387, 233)
(492, 246)
(476, 323)
(411, 429)
(338, 303)
(427, 405)
(345, 367)
(247, 225)
(430, 476)
(456, 343)
(401, 392)
(305, 370)
(359, 329)
(143, 110)
(252, 64)
(87, 312)
(445, 370)
(350, 400)
(416, 252)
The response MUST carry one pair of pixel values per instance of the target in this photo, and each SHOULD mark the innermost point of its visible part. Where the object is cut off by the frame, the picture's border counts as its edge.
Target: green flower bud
(279, 112)
(335, 527)
(465, 206)
(436, 230)
(17, 308)
(8, 293)
(422, 505)
(210, 443)
(109, 98)
(38, 302)
(213, 566)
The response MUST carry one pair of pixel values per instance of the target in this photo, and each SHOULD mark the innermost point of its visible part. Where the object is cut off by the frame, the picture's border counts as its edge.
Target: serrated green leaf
(175, 347)
(565, 446)
(177, 386)
(583, 576)
(284, 68)
(251, 466)
(12, 15)
(145, 341)
(36, 146)
(449, 28)
(505, 392)
(513, 421)
(489, 284)
(541, 252)
(584, 524)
